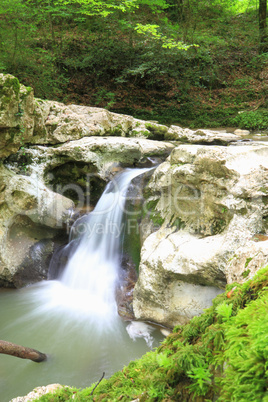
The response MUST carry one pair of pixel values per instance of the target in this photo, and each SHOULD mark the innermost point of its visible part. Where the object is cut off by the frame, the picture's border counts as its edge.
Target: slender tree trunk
(263, 26)
(180, 10)
(12, 349)
(15, 47)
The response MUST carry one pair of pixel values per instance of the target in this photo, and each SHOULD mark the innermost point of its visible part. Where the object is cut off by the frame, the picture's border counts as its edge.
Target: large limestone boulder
(211, 202)
(58, 123)
(185, 135)
(25, 120)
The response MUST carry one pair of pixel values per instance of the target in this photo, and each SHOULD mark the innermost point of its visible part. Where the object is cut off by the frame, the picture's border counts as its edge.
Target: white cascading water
(87, 285)
(89, 279)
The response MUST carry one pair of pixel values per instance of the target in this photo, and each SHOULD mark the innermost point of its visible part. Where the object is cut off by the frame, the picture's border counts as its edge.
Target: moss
(264, 190)
(182, 138)
(116, 131)
(8, 87)
(246, 273)
(151, 211)
(13, 82)
(178, 223)
(137, 133)
(248, 261)
(29, 89)
(243, 211)
(156, 132)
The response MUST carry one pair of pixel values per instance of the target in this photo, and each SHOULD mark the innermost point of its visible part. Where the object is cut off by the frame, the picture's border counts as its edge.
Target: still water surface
(79, 349)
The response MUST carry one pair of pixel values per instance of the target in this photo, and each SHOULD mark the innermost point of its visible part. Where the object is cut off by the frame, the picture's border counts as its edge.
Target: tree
(263, 26)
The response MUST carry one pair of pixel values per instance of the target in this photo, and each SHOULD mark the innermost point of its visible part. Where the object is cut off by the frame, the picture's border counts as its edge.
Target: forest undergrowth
(219, 79)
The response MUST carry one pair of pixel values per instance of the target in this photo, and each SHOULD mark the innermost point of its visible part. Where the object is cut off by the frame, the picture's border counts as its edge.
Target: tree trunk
(263, 26)
(180, 9)
(12, 349)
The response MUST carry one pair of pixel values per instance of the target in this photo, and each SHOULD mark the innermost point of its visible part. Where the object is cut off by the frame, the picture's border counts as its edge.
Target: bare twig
(103, 374)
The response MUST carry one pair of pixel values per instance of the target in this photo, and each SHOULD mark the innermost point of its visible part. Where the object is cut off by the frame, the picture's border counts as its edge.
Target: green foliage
(248, 261)
(129, 56)
(246, 377)
(150, 209)
(246, 273)
(153, 31)
(105, 99)
(201, 377)
(163, 361)
(224, 310)
(252, 120)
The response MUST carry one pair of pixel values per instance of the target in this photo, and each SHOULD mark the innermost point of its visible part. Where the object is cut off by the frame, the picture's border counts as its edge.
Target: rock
(212, 201)
(37, 393)
(16, 115)
(32, 216)
(35, 265)
(26, 121)
(241, 133)
(186, 135)
(80, 169)
(178, 277)
(246, 261)
(125, 288)
(29, 196)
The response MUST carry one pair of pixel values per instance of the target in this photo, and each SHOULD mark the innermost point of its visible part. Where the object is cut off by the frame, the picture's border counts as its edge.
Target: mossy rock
(78, 180)
(156, 131)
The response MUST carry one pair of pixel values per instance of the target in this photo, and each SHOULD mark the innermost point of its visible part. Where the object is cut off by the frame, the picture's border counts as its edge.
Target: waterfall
(87, 284)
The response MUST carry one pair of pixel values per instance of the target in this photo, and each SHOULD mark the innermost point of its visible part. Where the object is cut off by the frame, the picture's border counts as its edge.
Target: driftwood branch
(12, 349)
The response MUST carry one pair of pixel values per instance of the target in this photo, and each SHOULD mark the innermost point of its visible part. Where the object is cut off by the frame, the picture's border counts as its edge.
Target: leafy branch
(168, 43)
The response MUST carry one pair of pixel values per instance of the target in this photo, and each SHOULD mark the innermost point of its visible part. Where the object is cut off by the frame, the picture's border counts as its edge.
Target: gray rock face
(212, 201)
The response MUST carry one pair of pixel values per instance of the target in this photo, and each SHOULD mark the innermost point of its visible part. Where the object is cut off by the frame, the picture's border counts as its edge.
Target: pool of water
(80, 347)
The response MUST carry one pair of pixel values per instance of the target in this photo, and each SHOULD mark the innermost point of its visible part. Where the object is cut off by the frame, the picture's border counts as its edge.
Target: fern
(201, 377)
(164, 361)
(224, 311)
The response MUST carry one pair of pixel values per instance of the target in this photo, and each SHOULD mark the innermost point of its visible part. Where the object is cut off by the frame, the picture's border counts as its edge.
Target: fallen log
(12, 349)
